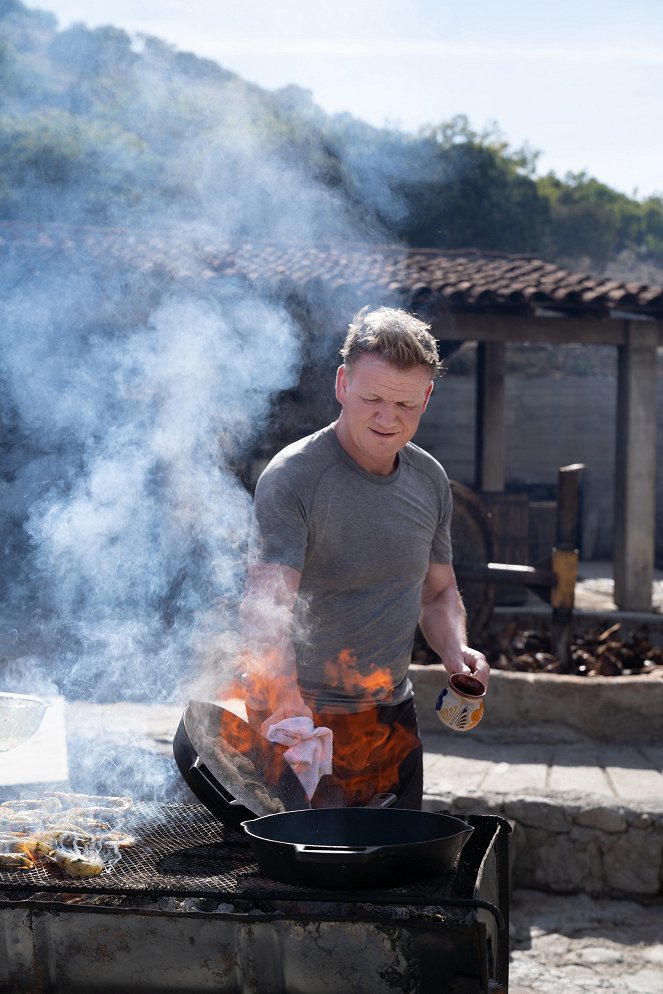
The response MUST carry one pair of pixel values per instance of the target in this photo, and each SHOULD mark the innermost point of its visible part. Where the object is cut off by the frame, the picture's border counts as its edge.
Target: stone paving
(587, 816)
(595, 587)
(576, 945)
(567, 943)
(519, 761)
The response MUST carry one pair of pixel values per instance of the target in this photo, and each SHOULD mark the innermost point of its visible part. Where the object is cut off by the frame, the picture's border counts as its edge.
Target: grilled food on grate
(78, 864)
(65, 829)
(16, 861)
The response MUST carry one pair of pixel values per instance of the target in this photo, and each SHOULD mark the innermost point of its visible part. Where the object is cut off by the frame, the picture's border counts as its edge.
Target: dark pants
(375, 751)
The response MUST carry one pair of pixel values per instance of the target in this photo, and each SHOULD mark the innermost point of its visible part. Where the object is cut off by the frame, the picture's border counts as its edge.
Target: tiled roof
(458, 281)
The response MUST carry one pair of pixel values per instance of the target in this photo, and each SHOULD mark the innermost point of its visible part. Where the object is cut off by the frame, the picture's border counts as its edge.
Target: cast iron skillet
(351, 848)
(205, 747)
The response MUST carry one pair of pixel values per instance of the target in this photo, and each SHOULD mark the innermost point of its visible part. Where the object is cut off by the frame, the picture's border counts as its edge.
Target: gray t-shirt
(363, 544)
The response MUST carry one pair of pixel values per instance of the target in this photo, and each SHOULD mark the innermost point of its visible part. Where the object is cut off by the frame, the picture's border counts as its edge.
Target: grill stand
(248, 935)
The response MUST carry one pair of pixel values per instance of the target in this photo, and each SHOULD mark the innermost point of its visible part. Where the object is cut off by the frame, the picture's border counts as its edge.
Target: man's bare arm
(267, 617)
(444, 626)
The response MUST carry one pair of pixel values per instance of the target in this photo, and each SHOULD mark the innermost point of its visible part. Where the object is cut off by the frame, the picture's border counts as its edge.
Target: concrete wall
(550, 422)
(602, 708)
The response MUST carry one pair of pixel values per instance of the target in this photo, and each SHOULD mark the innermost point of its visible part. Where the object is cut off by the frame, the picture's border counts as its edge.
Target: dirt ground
(575, 945)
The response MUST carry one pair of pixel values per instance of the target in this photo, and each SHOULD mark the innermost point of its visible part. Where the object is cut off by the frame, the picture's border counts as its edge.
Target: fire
(368, 755)
(367, 752)
(262, 684)
(260, 687)
(344, 672)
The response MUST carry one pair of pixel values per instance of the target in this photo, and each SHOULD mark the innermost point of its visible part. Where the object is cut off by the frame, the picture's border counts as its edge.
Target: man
(353, 551)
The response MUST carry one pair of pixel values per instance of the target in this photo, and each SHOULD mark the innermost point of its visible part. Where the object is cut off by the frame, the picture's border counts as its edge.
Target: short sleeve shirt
(363, 544)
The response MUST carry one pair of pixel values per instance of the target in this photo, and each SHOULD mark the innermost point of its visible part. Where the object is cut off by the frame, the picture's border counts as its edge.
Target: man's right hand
(289, 710)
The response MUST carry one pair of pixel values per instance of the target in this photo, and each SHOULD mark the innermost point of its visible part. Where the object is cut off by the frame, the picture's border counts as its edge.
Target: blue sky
(581, 82)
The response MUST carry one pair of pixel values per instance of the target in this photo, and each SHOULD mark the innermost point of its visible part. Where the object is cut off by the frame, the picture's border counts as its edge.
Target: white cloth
(309, 751)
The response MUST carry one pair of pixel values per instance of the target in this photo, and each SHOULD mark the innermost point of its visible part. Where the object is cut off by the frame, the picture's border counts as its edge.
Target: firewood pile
(602, 651)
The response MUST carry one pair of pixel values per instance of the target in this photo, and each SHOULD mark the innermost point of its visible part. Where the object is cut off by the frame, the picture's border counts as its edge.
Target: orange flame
(367, 753)
(264, 685)
(345, 672)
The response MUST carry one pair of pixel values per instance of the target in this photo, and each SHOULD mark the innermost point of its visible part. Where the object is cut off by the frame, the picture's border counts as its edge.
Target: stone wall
(550, 422)
(581, 846)
(624, 710)
(580, 828)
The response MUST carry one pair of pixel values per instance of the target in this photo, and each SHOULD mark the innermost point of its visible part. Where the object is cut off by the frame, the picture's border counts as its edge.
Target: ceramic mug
(460, 705)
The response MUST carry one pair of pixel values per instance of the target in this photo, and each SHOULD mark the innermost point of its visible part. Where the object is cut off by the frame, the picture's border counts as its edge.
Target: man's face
(382, 406)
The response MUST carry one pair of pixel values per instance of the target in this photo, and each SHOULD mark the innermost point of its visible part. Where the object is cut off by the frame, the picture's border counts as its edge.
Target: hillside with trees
(100, 128)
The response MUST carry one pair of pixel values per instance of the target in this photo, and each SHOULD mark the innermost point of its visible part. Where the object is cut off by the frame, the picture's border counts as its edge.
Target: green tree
(651, 244)
(56, 167)
(592, 222)
(470, 191)
(91, 123)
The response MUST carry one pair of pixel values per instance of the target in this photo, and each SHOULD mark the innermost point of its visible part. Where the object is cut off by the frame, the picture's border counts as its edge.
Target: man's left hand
(469, 660)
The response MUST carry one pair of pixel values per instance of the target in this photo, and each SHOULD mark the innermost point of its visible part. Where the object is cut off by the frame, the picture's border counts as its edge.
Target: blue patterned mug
(460, 705)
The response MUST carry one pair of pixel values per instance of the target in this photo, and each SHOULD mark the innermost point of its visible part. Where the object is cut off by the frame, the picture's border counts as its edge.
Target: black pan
(351, 848)
(206, 747)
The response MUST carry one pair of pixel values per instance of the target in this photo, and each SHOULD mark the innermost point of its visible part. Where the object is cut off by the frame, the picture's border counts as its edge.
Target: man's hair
(394, 335)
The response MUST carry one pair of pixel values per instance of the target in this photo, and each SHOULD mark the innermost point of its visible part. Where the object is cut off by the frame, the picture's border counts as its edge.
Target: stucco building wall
(550, 422)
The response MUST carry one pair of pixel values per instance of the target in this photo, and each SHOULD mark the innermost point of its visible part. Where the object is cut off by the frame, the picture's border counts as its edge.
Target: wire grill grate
(182, 850)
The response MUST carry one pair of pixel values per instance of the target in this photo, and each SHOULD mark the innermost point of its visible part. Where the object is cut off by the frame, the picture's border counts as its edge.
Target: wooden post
(635, 468)
(489, 456)
(565, 561)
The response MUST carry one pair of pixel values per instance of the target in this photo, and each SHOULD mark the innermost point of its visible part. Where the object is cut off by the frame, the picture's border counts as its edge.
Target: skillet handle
(383, 800)
(211, 781)
(219, 792)
(336, 854)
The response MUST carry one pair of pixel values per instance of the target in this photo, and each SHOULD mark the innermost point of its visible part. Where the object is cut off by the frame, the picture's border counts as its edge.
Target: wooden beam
(568, 495)
(635, 469)
(524, 576)
(524, 328)
(489, 441)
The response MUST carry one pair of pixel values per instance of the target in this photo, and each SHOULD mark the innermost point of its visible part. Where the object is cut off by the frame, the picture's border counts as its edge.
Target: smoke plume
(129, 393)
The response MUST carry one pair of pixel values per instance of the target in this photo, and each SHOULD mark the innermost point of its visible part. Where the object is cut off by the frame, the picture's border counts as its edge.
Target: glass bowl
(20, 717)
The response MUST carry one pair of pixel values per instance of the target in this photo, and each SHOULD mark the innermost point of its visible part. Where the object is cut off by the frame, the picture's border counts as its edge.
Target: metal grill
(180, 849)
(183, 850)
(60, 934)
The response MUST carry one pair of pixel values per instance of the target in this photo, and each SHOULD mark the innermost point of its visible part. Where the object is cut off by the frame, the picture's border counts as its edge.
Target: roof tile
(463, 280)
